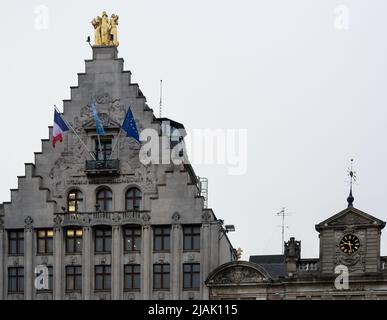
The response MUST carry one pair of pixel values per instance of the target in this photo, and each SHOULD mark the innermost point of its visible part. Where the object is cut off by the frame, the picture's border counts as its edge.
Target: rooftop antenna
(282, 214)
(161, 99)
(353, 176)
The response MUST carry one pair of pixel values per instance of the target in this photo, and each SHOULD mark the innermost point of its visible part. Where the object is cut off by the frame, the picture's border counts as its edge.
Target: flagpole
(115, 144)
(76, 134)
(99, 138)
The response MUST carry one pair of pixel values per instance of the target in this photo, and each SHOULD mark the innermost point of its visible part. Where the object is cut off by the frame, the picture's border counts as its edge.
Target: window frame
(103, 237)
(105, 199)
(191, 273)
(133, 195)
(75, 239)
(46, 240)
(74, 276)
(19, 278)
(162, 274)
(163, 237)
(78, 201)
(103, 275)
(192, 234)
(17, 240)
(132, 237)
(105, 152)
(132, 274)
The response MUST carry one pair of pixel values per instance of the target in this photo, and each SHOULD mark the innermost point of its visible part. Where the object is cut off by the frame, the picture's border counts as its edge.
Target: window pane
(21, 246)
(196, 280)
(166, 281)
(196, 243)
(187, 243)
(99, 245)
(78, 245)
(157, 244)
(12, 247)
(107, 282)
(187, 280)
(50, 245)
(167, 243)
(98, 282)
(157, 281)
(69, 282)
(196, 267)
(41, 246)
(78, 282)
(108, 244)
(137, 282)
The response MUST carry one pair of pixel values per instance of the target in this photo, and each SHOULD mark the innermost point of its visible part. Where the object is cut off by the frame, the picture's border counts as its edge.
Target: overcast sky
(311, 95)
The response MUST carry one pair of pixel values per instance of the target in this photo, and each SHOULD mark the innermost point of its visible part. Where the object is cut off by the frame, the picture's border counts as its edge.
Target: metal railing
(102, 166)
(308, 265)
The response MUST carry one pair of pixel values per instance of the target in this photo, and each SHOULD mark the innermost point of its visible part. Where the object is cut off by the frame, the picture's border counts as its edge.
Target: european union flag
(98, 125)
(130, 127)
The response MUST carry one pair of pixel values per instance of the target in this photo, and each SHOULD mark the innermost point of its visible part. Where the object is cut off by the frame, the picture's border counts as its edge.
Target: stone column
(176, 262)
(116, 263)
(29, 276)
(146, 271)
(2, 259)
(58, 254)
(205, 243)
(86, 263)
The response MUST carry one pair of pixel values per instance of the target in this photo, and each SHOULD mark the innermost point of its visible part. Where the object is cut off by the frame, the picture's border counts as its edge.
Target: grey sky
(311, 97)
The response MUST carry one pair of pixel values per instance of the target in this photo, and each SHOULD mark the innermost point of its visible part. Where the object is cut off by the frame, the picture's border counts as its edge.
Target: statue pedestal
(105, 52)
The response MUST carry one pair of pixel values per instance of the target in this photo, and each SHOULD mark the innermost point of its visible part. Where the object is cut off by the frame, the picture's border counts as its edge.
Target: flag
(130, 127)
(98, 126)
(59, 128)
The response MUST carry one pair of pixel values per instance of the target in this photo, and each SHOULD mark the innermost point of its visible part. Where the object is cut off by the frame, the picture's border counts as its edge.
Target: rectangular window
(162, 239)
(132, 239)
(103, 240)
(191, 238)
(104, 150)
(16, 242)
(50, 279)
(74, 240)
(102, 277)
(132, 275)
(73, 278)
(191, 275)
(16, 280)
(45, 241)
(161, 276)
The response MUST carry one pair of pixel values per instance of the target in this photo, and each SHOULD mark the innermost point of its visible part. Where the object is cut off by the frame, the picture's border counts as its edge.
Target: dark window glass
(74, 201)
(45, 241)
(192, 238)
(50, 279)
(162, 238)
(73, 278)
(132, 239)
(161, 276)
(105, 200)
(74, 240)
(103, 240)
(103, 150)
(102, 277)
(16, 242)
(133, 199)
(16, 280)
(132, 276)
(191, 276)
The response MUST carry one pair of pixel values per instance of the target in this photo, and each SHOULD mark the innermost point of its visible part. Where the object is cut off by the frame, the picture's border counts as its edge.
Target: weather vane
(353, 176)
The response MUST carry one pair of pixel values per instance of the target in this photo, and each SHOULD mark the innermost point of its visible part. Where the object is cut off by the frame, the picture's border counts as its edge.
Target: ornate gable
(238, 272)
(350, 217)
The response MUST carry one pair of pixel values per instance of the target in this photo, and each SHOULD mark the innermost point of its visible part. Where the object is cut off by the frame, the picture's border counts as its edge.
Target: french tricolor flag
(59, 128)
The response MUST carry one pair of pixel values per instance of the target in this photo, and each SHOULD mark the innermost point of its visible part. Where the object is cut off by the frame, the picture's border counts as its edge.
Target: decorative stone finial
(106, 33)
(352, 175)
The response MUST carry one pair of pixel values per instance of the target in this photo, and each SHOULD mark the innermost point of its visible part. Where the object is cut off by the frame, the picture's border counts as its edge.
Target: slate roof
(274, 264)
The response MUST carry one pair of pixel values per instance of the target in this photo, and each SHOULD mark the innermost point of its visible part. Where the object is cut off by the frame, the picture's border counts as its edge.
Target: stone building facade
(110, 227)
(349, 244)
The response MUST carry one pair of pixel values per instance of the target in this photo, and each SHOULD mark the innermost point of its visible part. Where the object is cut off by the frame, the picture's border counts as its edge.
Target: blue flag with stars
(130, 127)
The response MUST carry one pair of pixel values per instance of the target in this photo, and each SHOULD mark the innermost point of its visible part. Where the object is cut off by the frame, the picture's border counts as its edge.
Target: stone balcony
(102, 167)
(84, 219)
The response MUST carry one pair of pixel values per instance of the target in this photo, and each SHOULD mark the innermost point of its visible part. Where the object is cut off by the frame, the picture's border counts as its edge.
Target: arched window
(133, 199)
(74, 201)
(105, 200)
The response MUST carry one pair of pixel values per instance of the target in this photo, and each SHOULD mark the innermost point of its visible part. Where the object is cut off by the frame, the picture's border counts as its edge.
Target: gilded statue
(106, 33)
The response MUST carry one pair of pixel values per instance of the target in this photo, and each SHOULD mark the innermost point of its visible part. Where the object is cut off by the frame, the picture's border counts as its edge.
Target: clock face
(349, 244)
